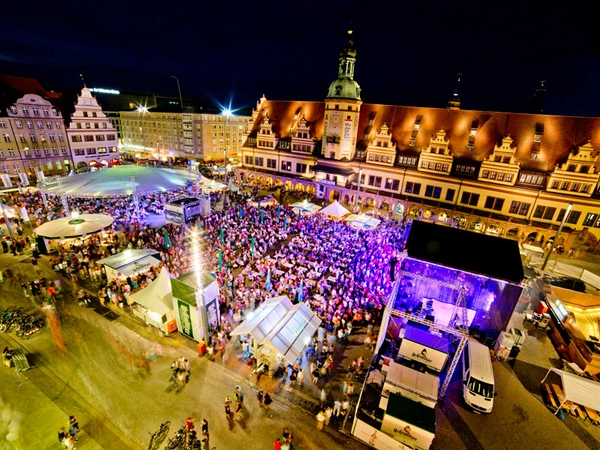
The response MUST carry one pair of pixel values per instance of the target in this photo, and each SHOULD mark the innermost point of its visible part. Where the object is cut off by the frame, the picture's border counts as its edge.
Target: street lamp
(179, 90)
(357, 191)
(198, 268)
(555, 240)
(143, 110)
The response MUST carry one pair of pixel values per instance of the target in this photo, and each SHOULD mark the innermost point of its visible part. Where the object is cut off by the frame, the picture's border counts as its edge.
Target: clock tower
(342, 108)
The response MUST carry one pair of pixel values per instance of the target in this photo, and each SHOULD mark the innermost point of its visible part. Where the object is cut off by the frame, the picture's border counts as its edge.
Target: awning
(578, 389)
(157, 297)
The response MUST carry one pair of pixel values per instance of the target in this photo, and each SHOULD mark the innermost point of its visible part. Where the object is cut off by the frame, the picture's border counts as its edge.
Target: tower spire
(454, 102)
(347, 58)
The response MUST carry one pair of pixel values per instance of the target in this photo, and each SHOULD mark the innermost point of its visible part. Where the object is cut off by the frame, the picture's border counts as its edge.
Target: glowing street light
(198, 268)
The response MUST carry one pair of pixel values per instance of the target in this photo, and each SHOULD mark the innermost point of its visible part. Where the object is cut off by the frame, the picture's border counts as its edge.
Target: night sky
(409, 52)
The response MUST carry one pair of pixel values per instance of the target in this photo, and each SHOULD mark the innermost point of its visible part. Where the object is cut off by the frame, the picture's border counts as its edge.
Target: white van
(478, 377)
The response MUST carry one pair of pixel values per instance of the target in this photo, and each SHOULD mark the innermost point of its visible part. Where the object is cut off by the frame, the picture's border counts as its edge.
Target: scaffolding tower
(462, 332)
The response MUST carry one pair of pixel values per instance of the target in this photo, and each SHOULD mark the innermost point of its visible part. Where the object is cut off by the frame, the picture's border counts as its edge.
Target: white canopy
(335, 209)
(294, 331)
(74, 226)
(362, 221)
(264, 318)
(120, 181)
(305, 206)
(158, 297)
(578, 390)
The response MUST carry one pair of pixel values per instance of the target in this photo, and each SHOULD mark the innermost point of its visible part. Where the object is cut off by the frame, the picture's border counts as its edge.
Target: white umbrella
(76, 225)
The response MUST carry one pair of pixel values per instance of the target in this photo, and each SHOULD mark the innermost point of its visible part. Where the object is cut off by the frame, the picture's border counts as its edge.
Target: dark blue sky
(408, 51)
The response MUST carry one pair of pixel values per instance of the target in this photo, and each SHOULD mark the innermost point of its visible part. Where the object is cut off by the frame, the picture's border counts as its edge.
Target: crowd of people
(257, 252)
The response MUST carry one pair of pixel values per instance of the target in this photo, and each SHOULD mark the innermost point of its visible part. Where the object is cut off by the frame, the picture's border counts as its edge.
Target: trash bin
(514, 352)
(172, 326)
(201, 347)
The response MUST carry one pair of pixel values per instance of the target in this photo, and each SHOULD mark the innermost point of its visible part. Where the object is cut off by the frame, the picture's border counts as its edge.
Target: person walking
(268, 400)
(261, 398)
(328, 414)
(73, 427)
(229, 414)
(320, 420)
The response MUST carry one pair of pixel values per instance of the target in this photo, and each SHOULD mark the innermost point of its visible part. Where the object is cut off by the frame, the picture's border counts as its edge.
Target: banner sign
(6, 180)
(185, 318)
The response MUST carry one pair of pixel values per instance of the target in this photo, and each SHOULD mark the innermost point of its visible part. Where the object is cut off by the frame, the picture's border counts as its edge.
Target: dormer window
(338, 90)
(417, 123)
(539, 132)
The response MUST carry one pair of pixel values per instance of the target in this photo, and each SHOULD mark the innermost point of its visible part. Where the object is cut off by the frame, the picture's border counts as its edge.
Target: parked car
(563, 281)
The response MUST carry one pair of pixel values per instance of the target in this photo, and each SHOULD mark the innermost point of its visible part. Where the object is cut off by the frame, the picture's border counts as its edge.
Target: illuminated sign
(105, 91)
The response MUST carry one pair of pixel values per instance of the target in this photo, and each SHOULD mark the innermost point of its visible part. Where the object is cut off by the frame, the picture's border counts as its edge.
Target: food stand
(129, 262)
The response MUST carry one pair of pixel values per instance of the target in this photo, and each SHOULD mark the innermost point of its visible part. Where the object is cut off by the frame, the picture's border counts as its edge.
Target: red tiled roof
(24, 85)
(561, 133)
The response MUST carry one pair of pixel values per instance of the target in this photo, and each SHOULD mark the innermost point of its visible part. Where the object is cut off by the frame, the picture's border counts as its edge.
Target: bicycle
(159, 437)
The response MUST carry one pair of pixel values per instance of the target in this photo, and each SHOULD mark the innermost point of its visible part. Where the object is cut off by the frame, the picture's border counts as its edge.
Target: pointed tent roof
(158, 297)
(335, 209)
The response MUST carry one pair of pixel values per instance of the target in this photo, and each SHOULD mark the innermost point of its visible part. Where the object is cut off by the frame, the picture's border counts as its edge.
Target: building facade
(34, 139)
(162, 135)
(500, 173)
(92, 136)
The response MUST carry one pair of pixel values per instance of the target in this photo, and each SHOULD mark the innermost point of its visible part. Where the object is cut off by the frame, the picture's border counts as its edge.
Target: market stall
(154, 304)
(129, 262)
(187, 312)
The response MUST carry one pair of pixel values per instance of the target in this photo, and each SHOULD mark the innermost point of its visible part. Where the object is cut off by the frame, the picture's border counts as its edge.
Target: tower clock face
(335, 123)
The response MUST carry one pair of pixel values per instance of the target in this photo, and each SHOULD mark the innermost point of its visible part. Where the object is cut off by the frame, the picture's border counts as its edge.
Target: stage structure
(451, 284)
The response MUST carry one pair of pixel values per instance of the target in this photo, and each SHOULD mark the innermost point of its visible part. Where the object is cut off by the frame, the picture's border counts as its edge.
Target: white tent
(156, 301)
(335, 209)
(264, 318)
(158, 296)
(74, 226)
(577, 389)
(294, 331)
(362, 221)
(278, 327)
(305, 207)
